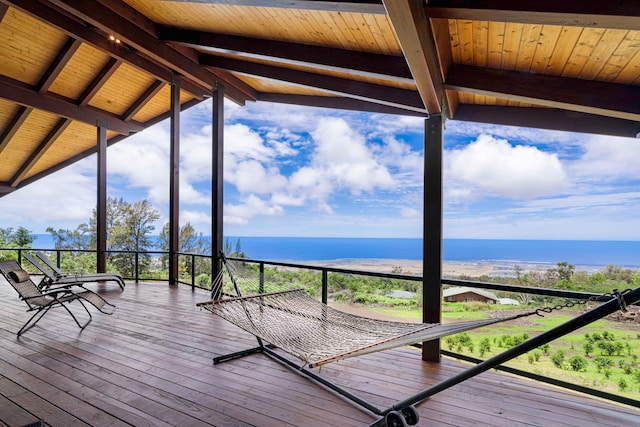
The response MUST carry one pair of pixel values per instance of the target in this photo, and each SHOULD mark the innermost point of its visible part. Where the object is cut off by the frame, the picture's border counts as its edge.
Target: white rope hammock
(288, 317)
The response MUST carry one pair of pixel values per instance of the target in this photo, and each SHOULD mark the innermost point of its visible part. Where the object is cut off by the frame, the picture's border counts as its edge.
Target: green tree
(18, 239)
(189, 241)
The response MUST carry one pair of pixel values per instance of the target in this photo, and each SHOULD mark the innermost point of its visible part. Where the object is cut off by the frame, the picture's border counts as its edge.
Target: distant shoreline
(451, 269)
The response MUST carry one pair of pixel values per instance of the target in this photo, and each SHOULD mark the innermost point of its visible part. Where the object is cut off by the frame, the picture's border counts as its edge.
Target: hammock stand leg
(238, 354)
(584, 319)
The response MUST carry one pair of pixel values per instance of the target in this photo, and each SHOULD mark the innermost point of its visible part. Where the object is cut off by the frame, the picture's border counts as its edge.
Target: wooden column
(174, 183)
(432, 232)
(101, 203)
(217, 180)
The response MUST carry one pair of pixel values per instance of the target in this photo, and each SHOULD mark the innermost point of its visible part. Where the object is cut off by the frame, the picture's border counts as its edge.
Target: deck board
(151, 364)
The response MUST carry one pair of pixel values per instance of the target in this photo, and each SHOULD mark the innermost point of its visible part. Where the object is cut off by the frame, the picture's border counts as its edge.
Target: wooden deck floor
(150, 364)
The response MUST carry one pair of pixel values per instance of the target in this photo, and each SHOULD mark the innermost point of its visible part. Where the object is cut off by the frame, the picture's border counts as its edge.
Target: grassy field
(610, 361)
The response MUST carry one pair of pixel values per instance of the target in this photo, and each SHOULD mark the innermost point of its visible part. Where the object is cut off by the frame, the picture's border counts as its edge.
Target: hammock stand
(279, 317)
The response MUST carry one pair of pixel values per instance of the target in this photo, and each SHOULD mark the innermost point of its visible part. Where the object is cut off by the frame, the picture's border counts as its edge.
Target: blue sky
(296, 171)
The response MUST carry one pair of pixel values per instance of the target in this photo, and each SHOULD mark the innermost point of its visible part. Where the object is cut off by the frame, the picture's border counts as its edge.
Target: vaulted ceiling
(67, 65)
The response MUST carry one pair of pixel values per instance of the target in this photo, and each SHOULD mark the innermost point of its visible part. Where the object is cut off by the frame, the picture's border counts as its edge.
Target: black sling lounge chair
(56, 276)
(282, 316)
(41, 301)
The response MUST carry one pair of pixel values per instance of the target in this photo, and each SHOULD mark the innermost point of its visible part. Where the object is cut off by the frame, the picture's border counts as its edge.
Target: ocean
(576, 252)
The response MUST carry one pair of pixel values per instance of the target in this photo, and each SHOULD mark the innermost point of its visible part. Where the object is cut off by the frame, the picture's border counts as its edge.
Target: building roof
(449, 292)
(68, 65)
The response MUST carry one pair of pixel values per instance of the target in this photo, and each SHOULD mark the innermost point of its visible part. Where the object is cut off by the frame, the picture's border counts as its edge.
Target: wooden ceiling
(571, 66)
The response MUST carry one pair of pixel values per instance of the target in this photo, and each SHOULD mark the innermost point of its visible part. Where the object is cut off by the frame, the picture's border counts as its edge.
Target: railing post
(261, 290)
(137, 263)
(20, 257)
(58, 257)
(193, 272)
(325, 286)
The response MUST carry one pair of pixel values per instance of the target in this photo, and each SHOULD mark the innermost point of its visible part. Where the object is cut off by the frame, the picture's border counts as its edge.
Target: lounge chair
(57, 276)
(41, 301)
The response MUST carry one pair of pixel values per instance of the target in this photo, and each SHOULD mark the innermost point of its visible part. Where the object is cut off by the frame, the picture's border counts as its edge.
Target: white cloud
(250, 207)
(500, 168)
(608, 158)
(66, 196)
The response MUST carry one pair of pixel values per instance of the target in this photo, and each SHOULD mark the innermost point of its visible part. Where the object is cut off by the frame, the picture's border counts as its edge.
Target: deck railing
(197, 264)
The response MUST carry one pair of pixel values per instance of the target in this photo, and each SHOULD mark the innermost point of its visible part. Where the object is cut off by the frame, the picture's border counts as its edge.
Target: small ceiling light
(114, 39)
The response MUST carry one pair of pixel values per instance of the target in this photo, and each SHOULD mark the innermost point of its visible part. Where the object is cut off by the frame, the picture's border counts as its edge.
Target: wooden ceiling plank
(105, 73)
(61, 60)
(593, 13)
(40, 151)
(25, 95)
(593, 97)
(335, 102)
(363, 63)
(149, 93)
(73, 28)
(13, 126)
(361, 6)
(112, 23)
(401, 98)
(416, 39)
(548, 118)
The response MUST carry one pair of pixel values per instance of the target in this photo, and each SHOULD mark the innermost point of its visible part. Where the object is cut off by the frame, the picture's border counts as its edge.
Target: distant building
(508, 301)
(464, 294)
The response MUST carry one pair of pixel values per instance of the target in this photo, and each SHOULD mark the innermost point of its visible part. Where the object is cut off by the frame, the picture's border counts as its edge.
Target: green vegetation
(20, 238)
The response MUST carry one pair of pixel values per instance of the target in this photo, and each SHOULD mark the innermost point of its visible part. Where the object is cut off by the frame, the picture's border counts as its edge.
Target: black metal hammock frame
(287, 316)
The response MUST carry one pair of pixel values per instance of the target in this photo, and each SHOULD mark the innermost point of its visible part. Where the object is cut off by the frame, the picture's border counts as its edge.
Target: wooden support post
(101, 203)
(217, 180)
(174, 183)
(432, 232)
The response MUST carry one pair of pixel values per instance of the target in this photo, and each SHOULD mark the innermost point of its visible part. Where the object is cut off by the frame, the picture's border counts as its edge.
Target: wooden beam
(587, 96)
(113, 23)
(33, 159)
(548, 118)
(387, 67)
(396, 97)
(3, 10)
(217, 179)
(75, 29)
(336, 103)
(151, 91)
(416, 39)
(174, 183)
(361, 6)
(5, 189)
(101, 197)
(25, 95)
(12, 127)
(105, 74)
(593, 13)
(432, 232)
(56, 67)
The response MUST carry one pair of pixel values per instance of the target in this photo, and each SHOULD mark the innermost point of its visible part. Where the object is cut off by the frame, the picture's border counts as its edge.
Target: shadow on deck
(151, 364)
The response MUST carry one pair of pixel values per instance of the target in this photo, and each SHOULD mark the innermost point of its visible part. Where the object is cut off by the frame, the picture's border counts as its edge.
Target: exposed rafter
(400, 98)
(335, 102)
(57, 130)
(112, 23)
(105, 73)
(587, 96)
(27, 96)
(417, 42)
(361, 6)
(91, 36)
(14, 124)
(58, 64)
(387, 67)
(5, 188)
(593, 13)
(548, 118)
(151, 91)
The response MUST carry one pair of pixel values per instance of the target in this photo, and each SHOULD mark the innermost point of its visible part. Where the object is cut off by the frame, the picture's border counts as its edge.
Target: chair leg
(37, 316)
(74, 317)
